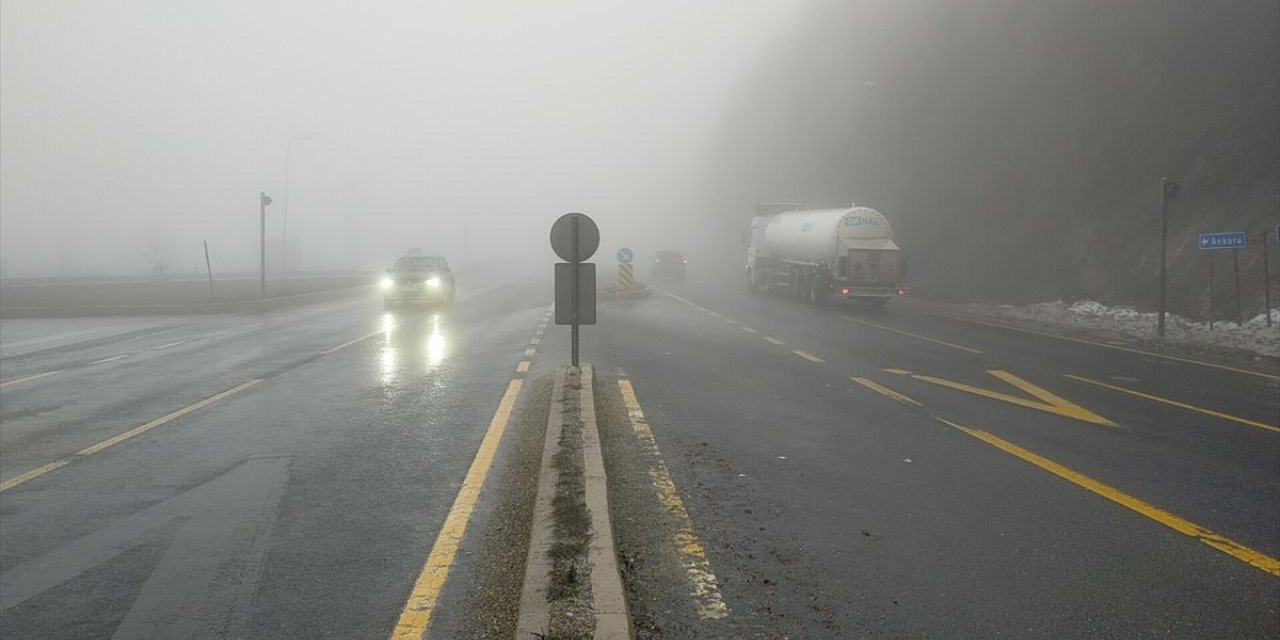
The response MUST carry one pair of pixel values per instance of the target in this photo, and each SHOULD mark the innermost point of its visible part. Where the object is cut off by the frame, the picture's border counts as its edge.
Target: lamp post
(1168, 191)
(288, 163)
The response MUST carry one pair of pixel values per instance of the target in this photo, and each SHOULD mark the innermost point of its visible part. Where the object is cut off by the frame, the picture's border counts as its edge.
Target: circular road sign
(625, 256)
(562, 237)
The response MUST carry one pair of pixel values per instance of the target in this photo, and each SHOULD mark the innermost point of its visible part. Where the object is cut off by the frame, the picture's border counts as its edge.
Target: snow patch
(1253, 335)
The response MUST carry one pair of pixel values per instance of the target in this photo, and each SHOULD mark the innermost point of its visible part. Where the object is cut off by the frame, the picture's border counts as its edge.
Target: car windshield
(416, 264)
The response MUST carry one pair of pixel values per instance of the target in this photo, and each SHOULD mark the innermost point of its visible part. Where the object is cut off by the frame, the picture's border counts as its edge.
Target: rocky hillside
(1018, 145)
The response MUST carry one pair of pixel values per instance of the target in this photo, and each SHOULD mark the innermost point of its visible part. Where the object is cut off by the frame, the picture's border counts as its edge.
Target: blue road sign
(1227, 240)
(625, 256)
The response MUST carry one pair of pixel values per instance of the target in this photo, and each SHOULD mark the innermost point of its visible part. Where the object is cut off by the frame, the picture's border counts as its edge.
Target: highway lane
(302, 504)
(758, 489)
(827, 508)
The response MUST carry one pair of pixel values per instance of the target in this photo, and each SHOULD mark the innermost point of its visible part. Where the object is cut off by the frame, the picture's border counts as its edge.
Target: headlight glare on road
(433, 282)
(386, 283)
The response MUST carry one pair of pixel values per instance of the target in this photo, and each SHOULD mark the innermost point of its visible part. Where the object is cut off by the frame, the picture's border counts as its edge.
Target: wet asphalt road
(809, 505)
(827, 509)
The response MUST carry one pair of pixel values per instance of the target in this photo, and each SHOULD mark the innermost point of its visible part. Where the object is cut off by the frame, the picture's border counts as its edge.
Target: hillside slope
(1018, 146)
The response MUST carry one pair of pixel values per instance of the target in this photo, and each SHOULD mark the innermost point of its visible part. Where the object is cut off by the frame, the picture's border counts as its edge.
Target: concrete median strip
(572, 493)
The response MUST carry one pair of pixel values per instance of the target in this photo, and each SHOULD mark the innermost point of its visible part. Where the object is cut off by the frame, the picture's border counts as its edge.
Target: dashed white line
(748, 329)
(171, 344)
(111, 359)
(29, 378)
(351, 342)
(773, 340)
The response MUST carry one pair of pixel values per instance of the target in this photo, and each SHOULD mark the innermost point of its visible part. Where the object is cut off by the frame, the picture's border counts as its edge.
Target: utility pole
(263, 201)
(1168, 191)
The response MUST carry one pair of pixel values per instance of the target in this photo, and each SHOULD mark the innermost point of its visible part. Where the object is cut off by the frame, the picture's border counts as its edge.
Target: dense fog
(132, 132)
(1016, 146)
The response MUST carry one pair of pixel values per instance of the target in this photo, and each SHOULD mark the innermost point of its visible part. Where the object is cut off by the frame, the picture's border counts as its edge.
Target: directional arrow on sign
(1044, 399)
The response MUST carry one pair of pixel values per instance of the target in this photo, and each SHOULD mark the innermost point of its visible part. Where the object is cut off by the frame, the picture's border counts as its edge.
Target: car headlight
(386, 283)
(433, 282)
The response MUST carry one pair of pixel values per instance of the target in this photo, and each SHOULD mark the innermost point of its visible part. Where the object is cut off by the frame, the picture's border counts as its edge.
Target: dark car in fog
(418, 279)
(669, 264)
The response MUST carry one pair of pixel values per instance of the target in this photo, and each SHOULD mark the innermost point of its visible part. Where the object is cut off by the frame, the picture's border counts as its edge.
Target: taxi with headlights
(426, 279)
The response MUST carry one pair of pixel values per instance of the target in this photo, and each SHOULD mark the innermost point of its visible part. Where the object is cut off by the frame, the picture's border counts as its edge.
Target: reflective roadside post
(1168, 191)
(575, 237)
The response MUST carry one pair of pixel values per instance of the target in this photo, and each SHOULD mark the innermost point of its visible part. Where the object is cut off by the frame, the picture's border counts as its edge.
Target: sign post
(575, 237)
(1235, 241)
(1266, 276)
(1211, 291)
(263, 201)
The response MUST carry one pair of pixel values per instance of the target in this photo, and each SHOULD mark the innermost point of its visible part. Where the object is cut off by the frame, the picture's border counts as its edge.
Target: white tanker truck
(815, 254)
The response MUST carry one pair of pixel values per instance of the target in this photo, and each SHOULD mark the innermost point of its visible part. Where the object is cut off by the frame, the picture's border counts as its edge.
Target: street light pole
(1168, 191)
(288, 163)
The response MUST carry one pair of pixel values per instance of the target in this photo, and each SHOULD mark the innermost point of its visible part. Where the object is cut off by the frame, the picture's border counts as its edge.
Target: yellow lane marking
(885, 391)
(1048, 401)
(522, 367)
(351, 342)
(1180, 405)
(807, 356)
(528, 353)
(1223, 367)
(111, 359)
(1185, 527)
(112, 441)
(165, 419)
(748, 329)
(34, 473)
(899, 372)
(912, 335)
(773, 340)
(29, 378)
(705, 588)
(171, 344)
(416, 615)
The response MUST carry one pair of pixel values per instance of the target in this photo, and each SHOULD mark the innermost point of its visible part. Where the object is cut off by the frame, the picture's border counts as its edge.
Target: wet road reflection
(414, 341)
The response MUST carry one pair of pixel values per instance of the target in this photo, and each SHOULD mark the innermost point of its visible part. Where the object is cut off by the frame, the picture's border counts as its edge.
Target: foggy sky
(132, 131)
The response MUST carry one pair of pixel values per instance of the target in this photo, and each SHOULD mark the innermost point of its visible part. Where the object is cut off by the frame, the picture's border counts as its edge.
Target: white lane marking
(155, 333)
(773, 340)
(351, 342)
(535, 341)
(111, 359)
(171, 344)
(28, 378)
(748, 329)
